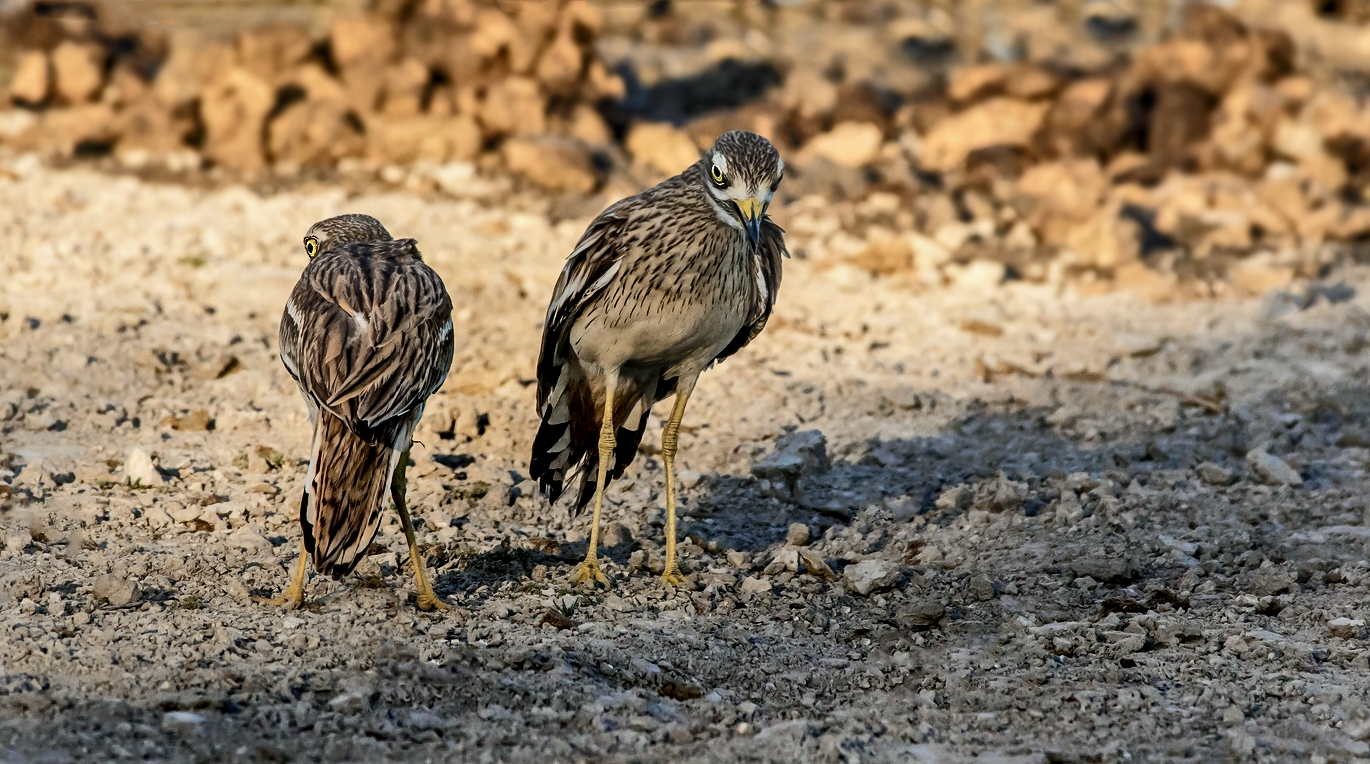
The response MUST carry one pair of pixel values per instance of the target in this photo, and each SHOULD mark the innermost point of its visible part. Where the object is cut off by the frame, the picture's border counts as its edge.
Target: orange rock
(365, 37)
(998, 121)
(78, 70)
(424, 137)
(272, 50)
(971, 83)
(1057, 197)
(68, 130)
(554, 163)
(190, 67)
(514, 106)
(313, 134)
(559, 67)
(662, 147)
(146, 125)
(32, 80)
(234, 110)
(403, 91)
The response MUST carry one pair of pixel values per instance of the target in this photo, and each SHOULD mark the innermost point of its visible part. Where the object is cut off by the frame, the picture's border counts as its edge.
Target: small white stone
(871, 575)
(139, 469)
(754, 585)
(1271, 468)
(181, 721)
(1346, 628)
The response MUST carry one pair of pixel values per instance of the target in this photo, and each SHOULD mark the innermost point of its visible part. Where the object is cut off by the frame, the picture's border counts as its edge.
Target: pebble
(1213, 474)
(1346, 628)
(787, 559)
(797, 535)
(181, 721)
(815, 564)
(139, 469)
(871, 575)
(754, 585)
(1272, 469)
(117, 591)
(795, 454)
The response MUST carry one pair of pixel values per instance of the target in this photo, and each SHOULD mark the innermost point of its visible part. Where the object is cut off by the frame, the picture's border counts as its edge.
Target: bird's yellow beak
(751, 210)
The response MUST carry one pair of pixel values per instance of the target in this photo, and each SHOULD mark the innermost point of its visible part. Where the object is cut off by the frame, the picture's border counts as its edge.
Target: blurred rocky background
(1164, 147)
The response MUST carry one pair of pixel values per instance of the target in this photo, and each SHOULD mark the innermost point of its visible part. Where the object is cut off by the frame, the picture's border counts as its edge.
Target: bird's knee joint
(606, 445)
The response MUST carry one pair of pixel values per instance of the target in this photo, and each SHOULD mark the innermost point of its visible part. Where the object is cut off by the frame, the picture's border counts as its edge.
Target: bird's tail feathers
(346, 491)
(566, 449)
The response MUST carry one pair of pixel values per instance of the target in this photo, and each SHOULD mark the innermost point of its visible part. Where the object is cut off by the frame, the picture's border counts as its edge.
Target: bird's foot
(429, 601)
(291, 600)
(673, 577)
(588, 571)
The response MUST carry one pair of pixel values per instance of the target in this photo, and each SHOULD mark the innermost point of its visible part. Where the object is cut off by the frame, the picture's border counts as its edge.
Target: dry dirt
(1093, 529)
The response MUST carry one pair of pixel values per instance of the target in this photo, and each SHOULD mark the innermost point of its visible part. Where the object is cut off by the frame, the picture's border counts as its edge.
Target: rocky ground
(1001, 522)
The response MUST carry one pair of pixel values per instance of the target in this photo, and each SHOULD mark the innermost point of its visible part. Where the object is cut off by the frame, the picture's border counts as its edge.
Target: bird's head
(343, 229)
(740, 174)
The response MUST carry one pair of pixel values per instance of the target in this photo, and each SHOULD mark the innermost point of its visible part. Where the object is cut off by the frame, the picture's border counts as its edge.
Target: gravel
(1072, 562)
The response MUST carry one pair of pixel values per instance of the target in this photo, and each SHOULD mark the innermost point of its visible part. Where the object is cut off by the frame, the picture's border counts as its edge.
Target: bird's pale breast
(672, 309)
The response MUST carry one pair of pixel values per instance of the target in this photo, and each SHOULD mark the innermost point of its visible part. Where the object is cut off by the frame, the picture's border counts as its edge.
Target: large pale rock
(405, 82)
(79, 70)
(587, 126)
(66, 130)
(234, 110)
(362, 38)
(1076, 123)
(363, 84)
(514, 107)
(494, 33)
(1107, 239)
(424, 136)
(1055, 198)
(559, 66)
(662, 147)
(870, 576)
(32, 79)
(318, 85)
(996, 122)
(313, 134)
(273, 49)
(149, 127)
(848, 144)
(556, 164)
(190, 66)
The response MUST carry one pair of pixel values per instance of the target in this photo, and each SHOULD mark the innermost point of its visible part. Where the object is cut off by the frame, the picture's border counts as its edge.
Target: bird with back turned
(367, 336)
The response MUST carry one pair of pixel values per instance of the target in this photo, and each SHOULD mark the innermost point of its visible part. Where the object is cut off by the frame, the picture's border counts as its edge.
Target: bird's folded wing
(368, 338)
(589, 268)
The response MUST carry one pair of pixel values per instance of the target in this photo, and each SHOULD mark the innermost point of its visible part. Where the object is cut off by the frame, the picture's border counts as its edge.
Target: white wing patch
(293, 312)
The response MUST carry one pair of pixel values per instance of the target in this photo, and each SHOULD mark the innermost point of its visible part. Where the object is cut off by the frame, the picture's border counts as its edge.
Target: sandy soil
(1085, 529)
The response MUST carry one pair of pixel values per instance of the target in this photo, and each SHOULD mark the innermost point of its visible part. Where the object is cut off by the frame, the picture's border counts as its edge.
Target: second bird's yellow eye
(717, 174)
(311, 246)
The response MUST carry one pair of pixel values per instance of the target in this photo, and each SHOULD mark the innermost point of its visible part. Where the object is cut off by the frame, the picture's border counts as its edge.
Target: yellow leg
(428, 599)
(588, 571)
(294, 596)
(670, 436)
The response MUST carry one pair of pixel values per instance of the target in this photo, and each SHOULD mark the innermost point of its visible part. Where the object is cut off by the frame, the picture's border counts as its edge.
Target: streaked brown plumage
(661, 286)
(367, 336)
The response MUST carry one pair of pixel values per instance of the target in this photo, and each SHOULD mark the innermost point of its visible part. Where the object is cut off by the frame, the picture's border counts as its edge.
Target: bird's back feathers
(367, 336)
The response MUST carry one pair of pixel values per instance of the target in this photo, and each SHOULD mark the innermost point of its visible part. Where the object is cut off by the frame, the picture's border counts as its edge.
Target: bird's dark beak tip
(754, 233)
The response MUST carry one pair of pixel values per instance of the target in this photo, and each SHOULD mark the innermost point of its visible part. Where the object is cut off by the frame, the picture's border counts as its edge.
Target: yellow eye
(717, 175)
(311, 246)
